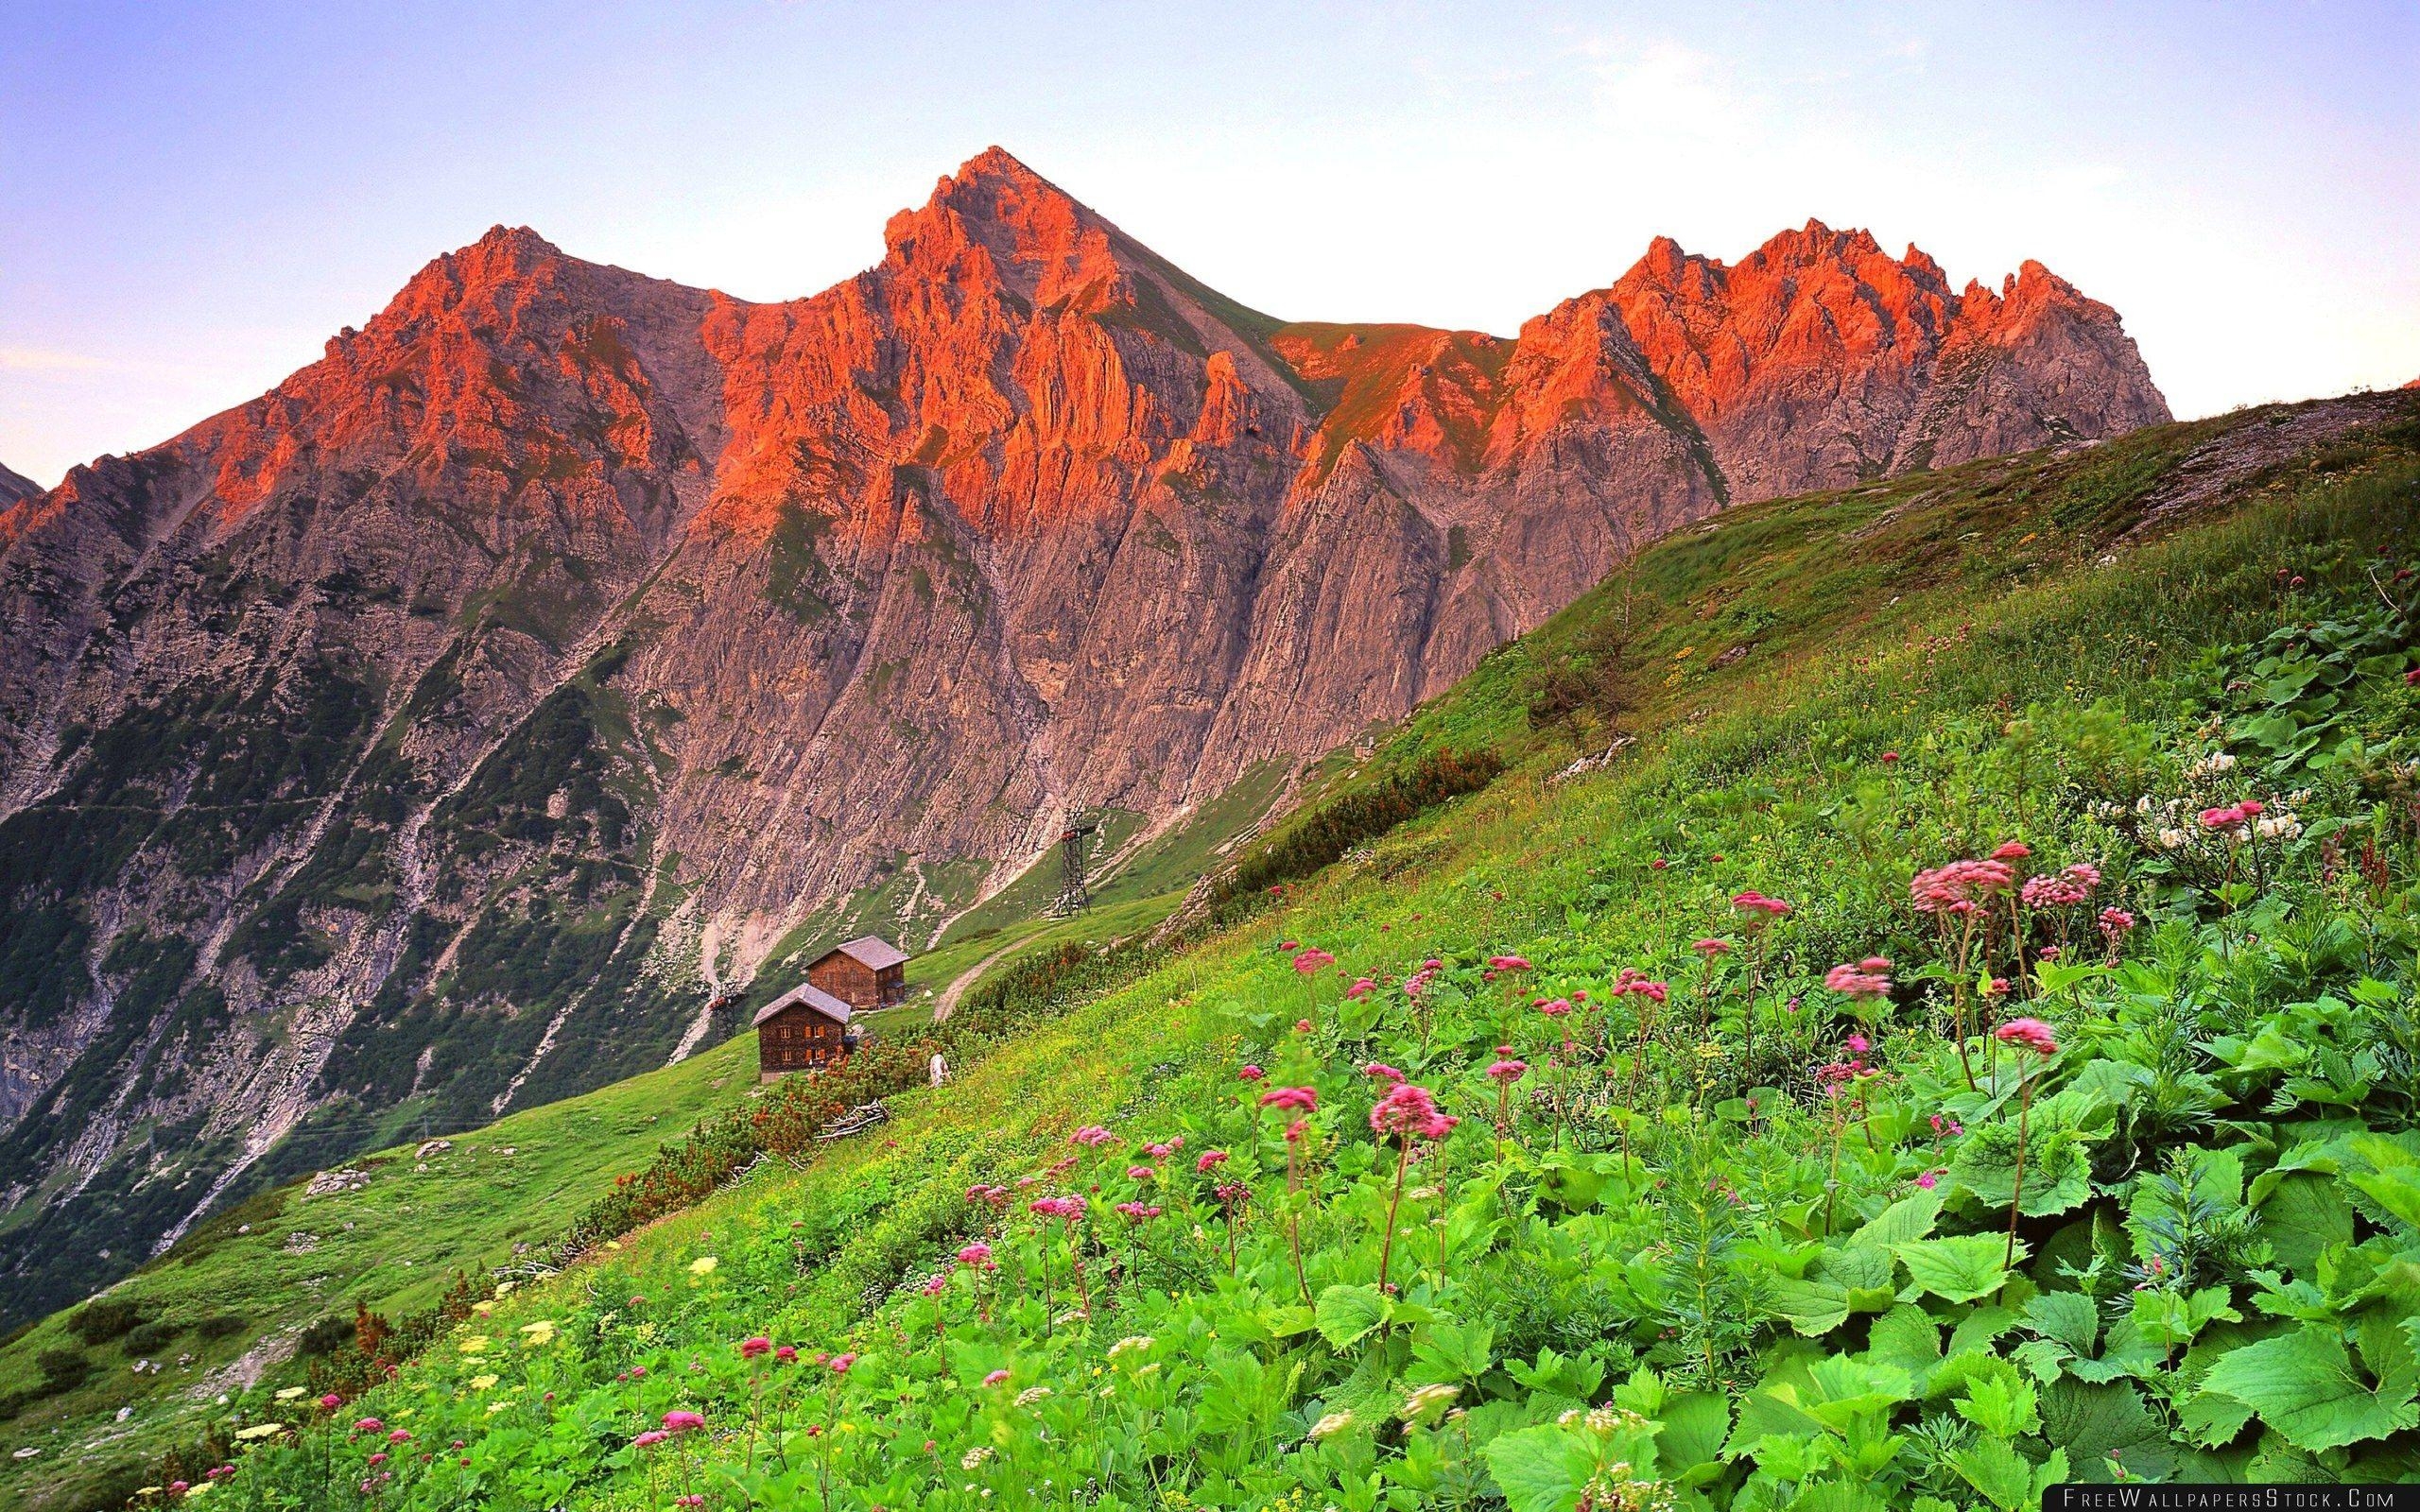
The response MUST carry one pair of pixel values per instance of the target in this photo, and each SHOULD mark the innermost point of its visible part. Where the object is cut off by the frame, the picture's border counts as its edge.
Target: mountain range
(441, 731)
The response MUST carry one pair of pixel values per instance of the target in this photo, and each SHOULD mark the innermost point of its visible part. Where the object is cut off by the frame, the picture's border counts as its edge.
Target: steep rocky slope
(15, 485)
(427, 736)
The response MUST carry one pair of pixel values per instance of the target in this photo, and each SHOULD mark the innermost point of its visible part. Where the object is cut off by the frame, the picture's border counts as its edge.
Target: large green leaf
(1910, 1218)
(1958, 1269)
(2305, 1385)
(1348, 1314)
(1540, 1469)
(1688, 1448)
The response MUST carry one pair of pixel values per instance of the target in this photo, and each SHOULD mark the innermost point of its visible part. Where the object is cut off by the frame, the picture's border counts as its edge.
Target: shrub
(105, 1318)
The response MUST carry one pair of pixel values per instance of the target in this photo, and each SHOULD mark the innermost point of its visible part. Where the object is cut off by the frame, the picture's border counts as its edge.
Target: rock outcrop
(424, 733)
(15, 486)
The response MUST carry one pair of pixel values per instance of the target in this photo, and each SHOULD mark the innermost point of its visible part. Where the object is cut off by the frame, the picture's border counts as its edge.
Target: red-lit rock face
(1019, 519)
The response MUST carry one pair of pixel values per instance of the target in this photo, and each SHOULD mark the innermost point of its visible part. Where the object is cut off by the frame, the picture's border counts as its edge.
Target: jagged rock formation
(15, 485)
(412, 739)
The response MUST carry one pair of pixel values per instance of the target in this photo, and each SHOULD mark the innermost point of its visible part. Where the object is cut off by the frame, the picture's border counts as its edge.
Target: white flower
(1031, 1395)
(974, 1456)
(1329, 1426)
(1427, 1400)
(1131, 1342)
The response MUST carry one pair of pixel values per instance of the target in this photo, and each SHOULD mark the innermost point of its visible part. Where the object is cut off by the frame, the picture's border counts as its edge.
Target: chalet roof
(806, 994)
(871, 951)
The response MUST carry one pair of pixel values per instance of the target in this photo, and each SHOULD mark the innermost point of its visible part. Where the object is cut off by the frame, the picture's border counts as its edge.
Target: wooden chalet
(804, 1029)
(867, 972)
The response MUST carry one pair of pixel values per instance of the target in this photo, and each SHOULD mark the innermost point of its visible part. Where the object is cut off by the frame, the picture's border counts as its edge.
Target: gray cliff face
(425, 737)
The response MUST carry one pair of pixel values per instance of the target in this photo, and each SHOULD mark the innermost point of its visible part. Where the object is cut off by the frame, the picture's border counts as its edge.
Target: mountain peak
(15, 486)
(1036, 237)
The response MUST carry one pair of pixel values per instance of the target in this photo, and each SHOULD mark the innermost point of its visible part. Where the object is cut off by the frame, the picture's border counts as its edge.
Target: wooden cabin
(804, 1029)
(867, 972)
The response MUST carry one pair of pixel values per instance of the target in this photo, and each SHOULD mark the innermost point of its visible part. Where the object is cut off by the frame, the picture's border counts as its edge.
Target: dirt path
(947, 1002)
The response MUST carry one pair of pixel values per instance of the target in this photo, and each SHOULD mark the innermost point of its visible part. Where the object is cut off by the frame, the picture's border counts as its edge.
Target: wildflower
(1251, 1073)
(1890, 756)
(1712, 948)
(1411, 1111)
(1069, 1209)
(936, 1284)
(2115, 923)
(703, 1266)
(1754, 903)
(1509, 963)
(841, 1363)
(331, 1401)
(681, 1421)
(977, 1256)
(1996, 988)
(1858, 1045)
(1960, 886)
(1140, 1173)
(1092, 1136)
(1869, 978)
(1329, 1426)
(483, 1381)
(982, 1451)
(1927, 1180)
(1210, 1160)
(996, 1378)
(2059, 889)
(1031, 1395)
(1379, 1071)
(785, 1353)
(1427, 1400)
(1137, 1212)
(369, 1425)
(1161, 1152)
(1296, 1132)
(2012, 851)
(2033, 1034)
(1946, 1127)
(1292, 1099)
(1302, 1025)
(1313, 960)
(1658, 864)
(1508, 1072)
(1362, 986)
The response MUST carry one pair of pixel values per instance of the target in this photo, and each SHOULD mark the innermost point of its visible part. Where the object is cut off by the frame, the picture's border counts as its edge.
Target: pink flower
(2060, 890)
(1313, 960)
(379, 1458)
(936, 1284)
(1251, 1073)
(1890, 756)
(1712, 948)
(1292, 1099)
(1948, 1128)
(2115, 923)
(1140, 1173)
(1302, 1025)
(1230, 1193)
(2012, 851)
(681, 1421)
(1959, 887)
(787, 1354)
(1162, 1151)
(331, 1401)
(1754, 903)
(1380, 1071)
(1509, 963)
(840, 1364)
(1858, 982)
(1859, 1044)
(1411, 1112)
(1658, 864)
(1289, 945)
(1210, 1160)
(1555, 1009)
(1092, 1136)
(997, 1378)
(1508, 1072)
(1296, 1132)
(1069, 1209)
(2033, 1034)
(370, 1425)
(1927, 1180)
(751, 1348)
(1137, 1212)
(977, 1256)
(1362, 986)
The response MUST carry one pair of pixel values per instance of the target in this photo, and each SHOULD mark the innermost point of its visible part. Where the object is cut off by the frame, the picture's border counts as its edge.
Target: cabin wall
(846, 979)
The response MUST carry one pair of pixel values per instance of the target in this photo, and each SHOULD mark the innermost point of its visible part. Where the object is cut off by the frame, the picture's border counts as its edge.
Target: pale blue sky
(194, 197)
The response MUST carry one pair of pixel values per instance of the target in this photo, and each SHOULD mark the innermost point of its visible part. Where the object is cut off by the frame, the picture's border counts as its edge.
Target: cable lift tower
(1075, 896)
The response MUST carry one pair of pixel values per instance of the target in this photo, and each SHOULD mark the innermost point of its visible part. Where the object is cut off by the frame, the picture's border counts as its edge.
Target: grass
(396, 1243)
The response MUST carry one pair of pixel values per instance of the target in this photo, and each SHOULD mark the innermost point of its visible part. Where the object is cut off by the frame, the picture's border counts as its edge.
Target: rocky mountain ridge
(428, 735)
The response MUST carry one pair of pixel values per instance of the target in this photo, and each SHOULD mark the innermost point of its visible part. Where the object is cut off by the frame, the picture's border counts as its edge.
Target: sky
(194, 198)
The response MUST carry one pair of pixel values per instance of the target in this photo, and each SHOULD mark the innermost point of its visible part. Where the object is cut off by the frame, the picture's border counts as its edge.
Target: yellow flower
(475, 1343)
(290, 1393)
(260, 1430)
(703, 1266)
(482, 1383)
(539, 1333)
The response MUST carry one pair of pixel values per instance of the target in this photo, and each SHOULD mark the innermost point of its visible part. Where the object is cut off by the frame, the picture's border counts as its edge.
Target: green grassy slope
(1754, 1325)
(241, 1290)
